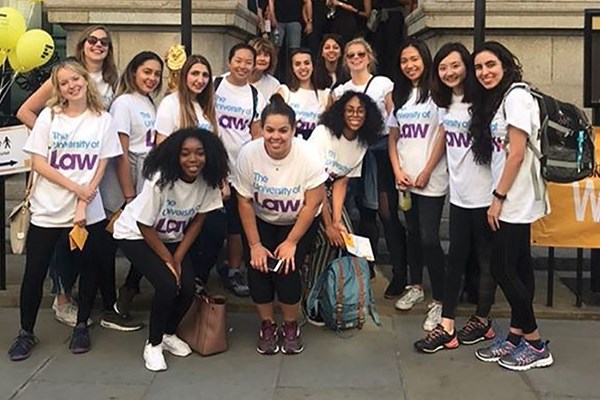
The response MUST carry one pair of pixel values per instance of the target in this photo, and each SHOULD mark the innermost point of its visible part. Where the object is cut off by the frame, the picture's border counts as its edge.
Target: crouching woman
(156, 230)
(280, 186)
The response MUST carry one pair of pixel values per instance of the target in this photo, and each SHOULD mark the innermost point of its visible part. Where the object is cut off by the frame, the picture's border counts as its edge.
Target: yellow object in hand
(77, 237)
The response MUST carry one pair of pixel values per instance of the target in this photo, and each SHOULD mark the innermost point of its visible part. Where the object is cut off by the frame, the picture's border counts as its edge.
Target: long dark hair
(293, 81)
(334, 117)
(164, 158)
(442, 94)
(127, 79)
(486, 102)
(402, 85)
(322, 78)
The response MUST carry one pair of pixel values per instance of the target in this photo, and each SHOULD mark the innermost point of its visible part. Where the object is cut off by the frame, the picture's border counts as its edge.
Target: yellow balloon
(2, 57)
(12, 27)
(15, 64)
(34, 48)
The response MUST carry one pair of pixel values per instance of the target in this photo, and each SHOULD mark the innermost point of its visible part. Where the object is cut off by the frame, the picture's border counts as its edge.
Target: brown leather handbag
(204, 326)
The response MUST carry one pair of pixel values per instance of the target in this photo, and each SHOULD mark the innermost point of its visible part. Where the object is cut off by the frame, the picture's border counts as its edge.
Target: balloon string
(4, 90)
(31, 8)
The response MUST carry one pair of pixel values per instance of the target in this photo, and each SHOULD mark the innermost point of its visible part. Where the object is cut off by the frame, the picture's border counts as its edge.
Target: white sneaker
(434, 317)
(411, 296)
(65, 313)
(154, 358)
(176, 346)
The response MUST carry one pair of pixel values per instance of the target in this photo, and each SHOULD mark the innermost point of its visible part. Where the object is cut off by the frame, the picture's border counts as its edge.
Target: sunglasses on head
(92, 40)
(360, 54)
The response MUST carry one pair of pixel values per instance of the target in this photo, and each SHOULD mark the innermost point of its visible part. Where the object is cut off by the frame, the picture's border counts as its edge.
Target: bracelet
(499, 196)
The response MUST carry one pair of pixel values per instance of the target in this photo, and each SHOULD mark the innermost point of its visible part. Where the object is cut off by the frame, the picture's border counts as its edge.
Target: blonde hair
(58, 103)
(206, 99)
(110, 74)
(370, 53)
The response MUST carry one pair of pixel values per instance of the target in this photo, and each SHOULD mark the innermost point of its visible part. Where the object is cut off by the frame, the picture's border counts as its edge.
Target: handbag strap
(29, 185)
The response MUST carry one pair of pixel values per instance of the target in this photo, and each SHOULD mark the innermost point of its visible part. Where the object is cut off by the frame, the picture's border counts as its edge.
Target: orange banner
(575, 217)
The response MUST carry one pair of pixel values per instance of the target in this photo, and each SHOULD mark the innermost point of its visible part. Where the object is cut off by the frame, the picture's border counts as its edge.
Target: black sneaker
(112, 320)
(475, 331)
(236, 285)
(394, 289)
(80, 340)
(267, 338)
(124, 300)
(437, 339)
(22, 346)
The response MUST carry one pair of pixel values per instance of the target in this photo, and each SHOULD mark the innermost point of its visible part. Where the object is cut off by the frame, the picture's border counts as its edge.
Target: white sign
(12, 158)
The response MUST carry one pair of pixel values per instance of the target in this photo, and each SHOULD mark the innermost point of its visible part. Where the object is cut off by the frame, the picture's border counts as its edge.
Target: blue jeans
(291, 32)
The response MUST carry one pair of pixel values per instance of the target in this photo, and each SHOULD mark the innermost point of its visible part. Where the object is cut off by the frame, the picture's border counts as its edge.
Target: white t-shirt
(342, 157)
(234, 106)
(379, 88)
(277, 187)
(74, 147)
(418, 124)
(267, 85)
(134, 115)
(168, 116)
(520, 111)
(470, 183)
(106, 91)
(169, 210)
(307, 104)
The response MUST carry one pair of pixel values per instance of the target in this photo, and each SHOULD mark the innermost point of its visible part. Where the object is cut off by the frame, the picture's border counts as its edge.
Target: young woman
(280, 188)
(416, 151)
(156, 230)
(238, 110)
(262, 75)
(342, 138)
(134, 115)
(329, 67)
(192, 104)
(379, 195)
(505, 123)
(453, 89)
(70, 144)
(94, 50)
(302, 94)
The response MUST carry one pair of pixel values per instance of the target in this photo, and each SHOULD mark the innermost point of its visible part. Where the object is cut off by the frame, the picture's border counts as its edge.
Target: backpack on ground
(567, 142)
(342, 295)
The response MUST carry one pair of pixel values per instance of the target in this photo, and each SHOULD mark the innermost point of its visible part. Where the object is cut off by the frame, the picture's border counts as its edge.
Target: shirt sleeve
(519, 106)
(212, 200)
(260, 105)
(318, 141)
(392, 121)
(241, 179)
(315, 171)
(388, 85)
(166, 116)
(121, 114)
(111, 145)
(148, 203)
(39, 141)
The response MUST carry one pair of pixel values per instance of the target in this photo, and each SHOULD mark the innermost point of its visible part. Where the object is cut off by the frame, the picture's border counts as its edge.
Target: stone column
(546, 35)
(154, 25)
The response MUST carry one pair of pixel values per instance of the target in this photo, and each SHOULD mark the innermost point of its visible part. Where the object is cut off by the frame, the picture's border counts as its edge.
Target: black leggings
(170, 303)
(469, 234)
(512, 269)
(263, 286)
(393, 231)
(203, 253)
(40, 246)
(423, 225)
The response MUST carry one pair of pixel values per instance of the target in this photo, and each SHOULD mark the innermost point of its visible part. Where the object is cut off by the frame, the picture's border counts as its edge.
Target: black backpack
(567, 142)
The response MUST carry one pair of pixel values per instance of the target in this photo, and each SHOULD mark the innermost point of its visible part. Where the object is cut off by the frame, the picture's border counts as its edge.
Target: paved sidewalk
(375, 363)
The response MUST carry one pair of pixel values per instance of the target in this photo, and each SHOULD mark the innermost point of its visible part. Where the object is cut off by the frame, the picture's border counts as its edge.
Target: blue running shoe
(496, 350)
(526, 357)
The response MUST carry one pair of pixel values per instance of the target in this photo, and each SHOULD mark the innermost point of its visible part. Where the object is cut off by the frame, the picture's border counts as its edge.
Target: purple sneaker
(526, 357)
(267, 338)
(290, 337)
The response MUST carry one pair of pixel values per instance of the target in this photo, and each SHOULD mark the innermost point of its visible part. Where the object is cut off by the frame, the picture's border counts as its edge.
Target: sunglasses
(360, 54)
(92, 40)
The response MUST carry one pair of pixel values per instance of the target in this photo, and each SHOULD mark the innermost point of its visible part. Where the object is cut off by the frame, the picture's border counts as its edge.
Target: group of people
(273, 169)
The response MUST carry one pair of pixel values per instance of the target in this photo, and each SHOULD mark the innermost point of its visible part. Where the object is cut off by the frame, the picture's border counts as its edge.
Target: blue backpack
(342, 295)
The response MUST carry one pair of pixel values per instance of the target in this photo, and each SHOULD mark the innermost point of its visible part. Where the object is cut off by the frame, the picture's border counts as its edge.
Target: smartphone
(274, 264)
